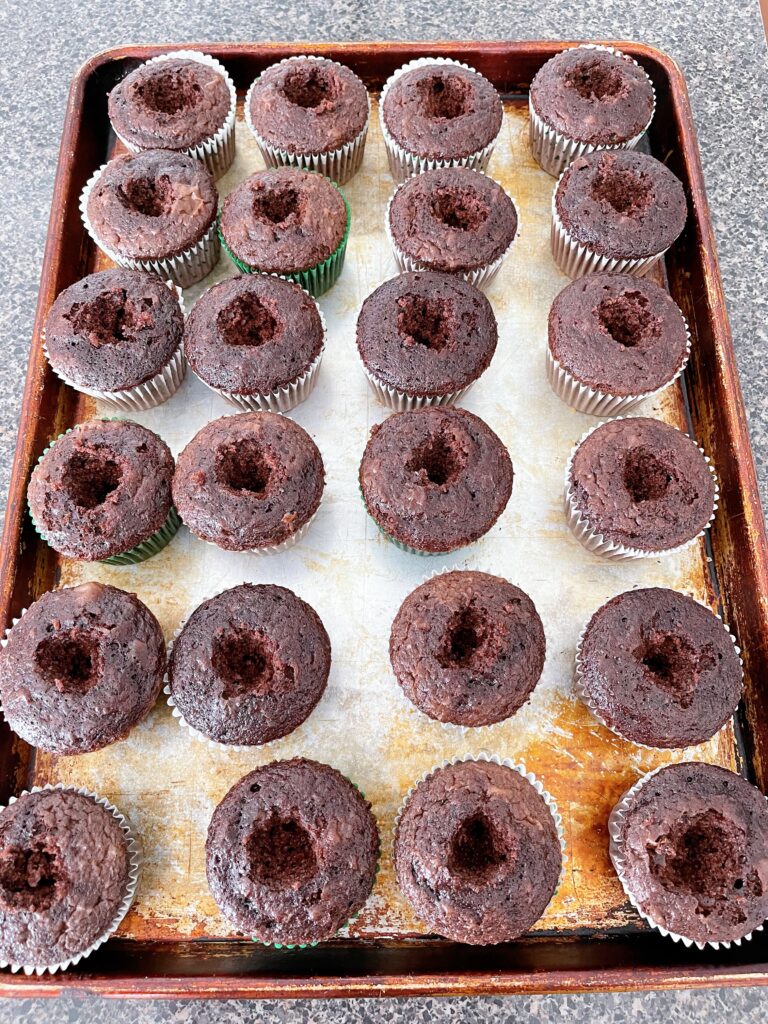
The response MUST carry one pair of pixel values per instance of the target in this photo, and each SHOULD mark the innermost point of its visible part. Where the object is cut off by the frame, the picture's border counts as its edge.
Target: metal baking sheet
(169, 783)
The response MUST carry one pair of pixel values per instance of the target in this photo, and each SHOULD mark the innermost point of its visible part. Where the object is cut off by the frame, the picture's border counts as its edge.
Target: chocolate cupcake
(467, 648)
(478, 851)
(116, 336)
(154, 211)
(69, 867)
(250, 482)
(289, 222)
(292, 852)
(636, 487)
(584, 99)
(249, 665)
(424, 339)
(616, 212)
(102, 492)
(435, 479)
(312, 113)
(452, 219)
(659, 668)
(436, 112)
(257, 341)
(690, 846)
(80, 668)
(614, 340)
(182, 101)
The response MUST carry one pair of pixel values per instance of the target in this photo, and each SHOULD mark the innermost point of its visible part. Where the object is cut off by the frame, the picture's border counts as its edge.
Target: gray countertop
(721, 49)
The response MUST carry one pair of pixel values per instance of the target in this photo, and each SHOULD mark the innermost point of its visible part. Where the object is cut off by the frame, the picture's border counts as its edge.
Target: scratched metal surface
(170, 783)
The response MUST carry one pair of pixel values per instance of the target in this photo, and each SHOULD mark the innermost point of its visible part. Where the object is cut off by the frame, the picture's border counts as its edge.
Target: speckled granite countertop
(721, 49)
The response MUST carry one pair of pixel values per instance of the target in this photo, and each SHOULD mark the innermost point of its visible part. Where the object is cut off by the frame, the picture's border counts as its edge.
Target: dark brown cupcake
(249, 482)
(467, 648)
(80, 668)
(690, 845)
(291, 853)
(659, 668)
(477, 852)
(249, 665)
(435, 479)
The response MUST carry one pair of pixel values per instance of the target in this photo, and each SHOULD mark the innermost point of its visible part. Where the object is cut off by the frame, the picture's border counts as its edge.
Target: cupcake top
(64, 875)
(641, 483)
(593, 96)
(152, 205)
(659, 668)
(435, 479)
(80, 668)
(621, 204)
(284, 220)
(477, 852)
(453, 219)
(308, 105)
(113, 330)
(619, 334)
(292, 852)
(249, 481)
(170, 104)
(426, 333)
(253, 334)
(442, 111)
(101, 489)
(467, 648)
(249, 665)
(692, 849)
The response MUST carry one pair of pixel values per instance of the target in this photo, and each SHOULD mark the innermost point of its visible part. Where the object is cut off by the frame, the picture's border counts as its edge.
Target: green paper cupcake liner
(317, 279)
(399, 543)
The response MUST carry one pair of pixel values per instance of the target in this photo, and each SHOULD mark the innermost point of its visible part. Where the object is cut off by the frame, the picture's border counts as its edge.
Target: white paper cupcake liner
(598, 544)
(218, 151)
(337, 164)
(134, 867)
(553, 151)
(152, 392)
(616, 851)
(583, 398)
(507, 763)
(403, 164)
(184, 269)
(576, 260)
(586, 699)
(480, 277)
(287, 397)
(401, 401)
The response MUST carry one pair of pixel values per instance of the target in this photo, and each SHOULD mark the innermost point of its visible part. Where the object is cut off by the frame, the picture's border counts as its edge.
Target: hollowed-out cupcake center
(466, 640)
(628, 320)
(595, 80)
(170, 92)
(673, 662)
(437, 461)
(704, 855)
(245, 466)
(478, 850)
(244, 660)
(459, 208)
(89, 477)
(276, 205)
(281, 853)
(308, 86)
(110, 318)
(646, 478)
(445, 96)
(247, 321)
(69, 660)
(151, 197)
(422, 321)
(628, 192)
(32, 877)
